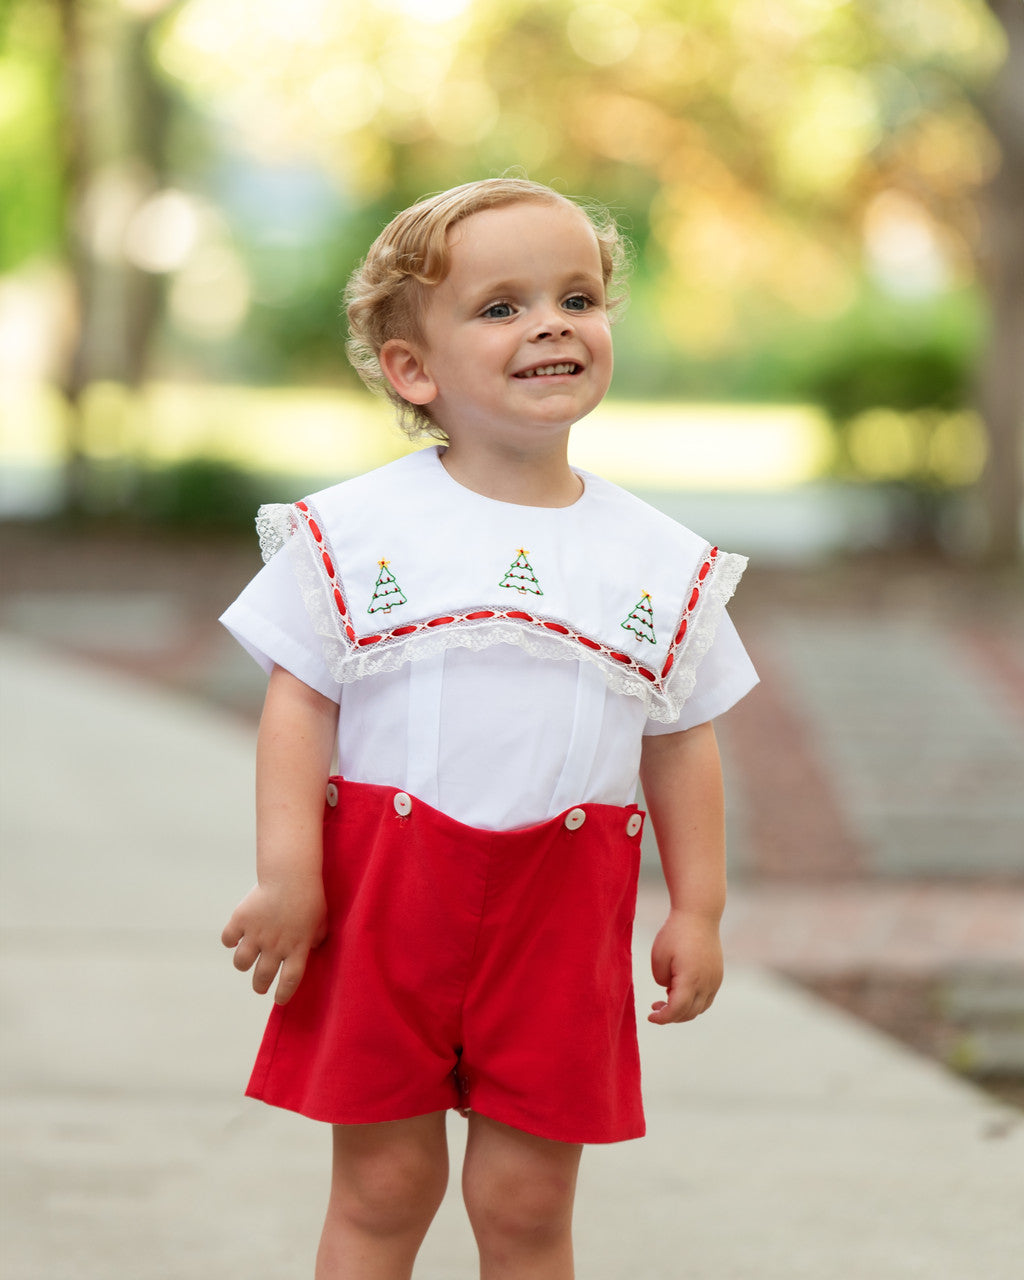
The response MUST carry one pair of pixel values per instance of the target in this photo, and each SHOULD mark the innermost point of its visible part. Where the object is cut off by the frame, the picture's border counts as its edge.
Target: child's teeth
(550, 368)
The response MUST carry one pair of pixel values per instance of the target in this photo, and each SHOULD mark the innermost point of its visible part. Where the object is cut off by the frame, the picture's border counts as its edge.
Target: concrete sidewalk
(786, 1141)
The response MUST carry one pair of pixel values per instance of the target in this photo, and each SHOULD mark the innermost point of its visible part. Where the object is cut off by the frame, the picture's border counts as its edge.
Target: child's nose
(552, 323)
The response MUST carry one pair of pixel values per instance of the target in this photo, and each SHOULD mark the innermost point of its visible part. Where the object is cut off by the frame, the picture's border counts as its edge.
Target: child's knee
(520, 1202)
(534, 1213)
(390, 1187)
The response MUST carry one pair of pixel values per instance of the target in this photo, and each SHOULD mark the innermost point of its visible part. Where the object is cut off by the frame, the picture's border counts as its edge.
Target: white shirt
(482, 725)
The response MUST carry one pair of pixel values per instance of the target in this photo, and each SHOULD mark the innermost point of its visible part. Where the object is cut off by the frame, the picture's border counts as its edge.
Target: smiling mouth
(548, 370)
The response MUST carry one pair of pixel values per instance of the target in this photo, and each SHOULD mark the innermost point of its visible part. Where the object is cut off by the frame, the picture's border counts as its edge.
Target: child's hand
(686, 959)
(276, 927)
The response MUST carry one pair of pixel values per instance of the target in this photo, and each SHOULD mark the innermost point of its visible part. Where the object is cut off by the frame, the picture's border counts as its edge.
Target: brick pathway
(886, 744)
(901, 929)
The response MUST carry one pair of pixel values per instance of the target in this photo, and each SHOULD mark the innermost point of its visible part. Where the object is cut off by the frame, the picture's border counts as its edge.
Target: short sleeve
(270, 621)
(724, 676)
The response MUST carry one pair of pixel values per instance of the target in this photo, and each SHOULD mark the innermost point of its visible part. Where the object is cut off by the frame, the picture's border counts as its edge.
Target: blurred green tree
(802, 180)
(83, 123)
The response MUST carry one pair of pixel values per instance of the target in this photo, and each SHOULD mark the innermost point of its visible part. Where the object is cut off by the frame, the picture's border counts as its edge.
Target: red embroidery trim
(337, 593)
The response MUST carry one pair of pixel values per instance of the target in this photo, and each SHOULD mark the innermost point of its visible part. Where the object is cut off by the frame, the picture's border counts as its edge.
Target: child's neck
(527, 479)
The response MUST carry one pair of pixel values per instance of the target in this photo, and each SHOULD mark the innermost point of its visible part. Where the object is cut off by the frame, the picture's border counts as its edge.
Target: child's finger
(662, 1015)
(682, 1005)
(232, 933)
(246, 955)
(291, 975)
(264, 973)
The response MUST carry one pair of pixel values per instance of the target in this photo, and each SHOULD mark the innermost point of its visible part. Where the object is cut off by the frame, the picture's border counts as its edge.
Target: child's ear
(402, 364)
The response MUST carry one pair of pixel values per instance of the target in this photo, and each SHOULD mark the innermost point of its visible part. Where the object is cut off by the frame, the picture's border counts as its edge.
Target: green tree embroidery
(641, 619)
(386, 592)
(519, 576)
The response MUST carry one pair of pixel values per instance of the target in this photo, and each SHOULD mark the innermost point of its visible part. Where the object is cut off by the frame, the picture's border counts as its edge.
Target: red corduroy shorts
(481, 970)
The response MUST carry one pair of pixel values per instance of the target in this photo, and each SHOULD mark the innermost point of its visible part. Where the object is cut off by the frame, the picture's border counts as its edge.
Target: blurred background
(824, 199)
(822, 366)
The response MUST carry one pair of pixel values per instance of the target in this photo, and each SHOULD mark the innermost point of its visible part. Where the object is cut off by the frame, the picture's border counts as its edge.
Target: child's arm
(285, 915)
(682, 780)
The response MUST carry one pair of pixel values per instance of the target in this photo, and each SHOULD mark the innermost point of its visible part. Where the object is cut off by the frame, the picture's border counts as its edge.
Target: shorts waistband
(340, 792)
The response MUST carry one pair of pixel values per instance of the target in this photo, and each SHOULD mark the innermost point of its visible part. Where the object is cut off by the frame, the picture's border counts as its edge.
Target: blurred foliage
(31, 191)
(200, 493)
(799, 178)
(767, 160)
(774, 164)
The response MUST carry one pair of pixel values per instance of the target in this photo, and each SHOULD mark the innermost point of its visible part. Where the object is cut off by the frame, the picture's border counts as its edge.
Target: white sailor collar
(404, 562)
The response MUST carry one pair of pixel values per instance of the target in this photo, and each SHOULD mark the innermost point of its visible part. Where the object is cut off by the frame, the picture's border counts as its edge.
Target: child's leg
(519, 1192)
(387, 1183)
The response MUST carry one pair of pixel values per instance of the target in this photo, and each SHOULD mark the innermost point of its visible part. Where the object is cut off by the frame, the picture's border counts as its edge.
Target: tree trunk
(144, 291)
(113, 125)
(1001, 388)
(75, 117)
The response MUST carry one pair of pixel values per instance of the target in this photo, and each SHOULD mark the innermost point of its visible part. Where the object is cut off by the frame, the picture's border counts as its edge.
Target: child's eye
(498, 311)
(578, 302)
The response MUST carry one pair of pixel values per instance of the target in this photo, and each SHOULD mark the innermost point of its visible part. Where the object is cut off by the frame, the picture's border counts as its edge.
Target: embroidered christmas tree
(386, 592)
(519, 576)
(641, 619)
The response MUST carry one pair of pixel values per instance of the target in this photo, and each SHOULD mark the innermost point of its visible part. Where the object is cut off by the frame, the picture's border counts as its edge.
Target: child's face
(516, 340)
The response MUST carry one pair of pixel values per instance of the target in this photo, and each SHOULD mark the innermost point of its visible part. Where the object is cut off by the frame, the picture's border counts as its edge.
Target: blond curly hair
(385, 294)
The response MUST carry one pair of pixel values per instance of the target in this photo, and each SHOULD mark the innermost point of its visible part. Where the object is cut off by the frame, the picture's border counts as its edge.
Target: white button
(332, 794)
(575, 819)
(403, 804)
(633, 824)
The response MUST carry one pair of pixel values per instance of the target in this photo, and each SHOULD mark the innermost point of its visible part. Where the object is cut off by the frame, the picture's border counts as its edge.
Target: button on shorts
(480, 970)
